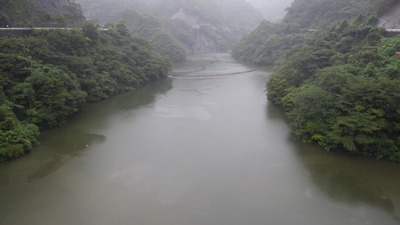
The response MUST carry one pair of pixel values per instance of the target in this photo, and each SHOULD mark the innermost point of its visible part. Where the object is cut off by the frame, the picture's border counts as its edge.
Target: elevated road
(44, 28)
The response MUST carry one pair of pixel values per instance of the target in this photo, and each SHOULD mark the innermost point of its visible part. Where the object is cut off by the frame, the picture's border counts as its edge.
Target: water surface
(193, 151)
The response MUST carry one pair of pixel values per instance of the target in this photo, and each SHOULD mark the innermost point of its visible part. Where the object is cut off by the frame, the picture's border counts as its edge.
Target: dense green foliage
(271, 41)
(338, 83)
(318, 13)
(267, 43)
(22, 13)
(46, 77)
(341, 89)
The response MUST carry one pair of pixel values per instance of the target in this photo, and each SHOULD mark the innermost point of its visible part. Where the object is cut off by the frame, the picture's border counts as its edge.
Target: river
(193, 151)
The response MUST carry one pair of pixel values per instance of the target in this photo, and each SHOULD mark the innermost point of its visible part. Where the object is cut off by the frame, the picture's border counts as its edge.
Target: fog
(272, 10)
(223, 22)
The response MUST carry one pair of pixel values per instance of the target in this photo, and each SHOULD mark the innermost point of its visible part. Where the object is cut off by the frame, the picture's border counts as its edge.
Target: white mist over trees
(272, 10)
(174, 27)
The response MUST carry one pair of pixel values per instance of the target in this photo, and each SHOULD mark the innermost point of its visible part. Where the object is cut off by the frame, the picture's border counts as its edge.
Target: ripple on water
(176, 111)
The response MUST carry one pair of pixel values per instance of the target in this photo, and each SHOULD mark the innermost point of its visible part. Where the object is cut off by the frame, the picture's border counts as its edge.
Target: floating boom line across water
(225, 74)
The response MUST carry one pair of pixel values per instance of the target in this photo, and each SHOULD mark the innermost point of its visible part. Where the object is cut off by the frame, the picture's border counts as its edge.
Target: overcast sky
(271, 9)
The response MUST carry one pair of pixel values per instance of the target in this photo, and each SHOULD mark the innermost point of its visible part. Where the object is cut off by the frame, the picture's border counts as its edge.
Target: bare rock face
(391, 19)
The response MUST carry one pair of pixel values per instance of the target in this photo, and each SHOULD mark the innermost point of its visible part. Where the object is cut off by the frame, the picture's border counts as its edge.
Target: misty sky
(271, 9)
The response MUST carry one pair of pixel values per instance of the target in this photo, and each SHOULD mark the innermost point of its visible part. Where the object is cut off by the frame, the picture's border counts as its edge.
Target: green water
(193, 151)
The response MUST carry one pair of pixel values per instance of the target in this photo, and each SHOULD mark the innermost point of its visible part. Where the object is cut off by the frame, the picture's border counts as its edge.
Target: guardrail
(45, 28)
(388, 30)
(393, 30)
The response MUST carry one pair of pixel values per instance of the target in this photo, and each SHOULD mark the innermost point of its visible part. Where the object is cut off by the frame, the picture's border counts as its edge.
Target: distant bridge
(220, 75)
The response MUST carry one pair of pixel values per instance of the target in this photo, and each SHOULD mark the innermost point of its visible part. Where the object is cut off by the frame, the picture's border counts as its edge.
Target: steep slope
(60, 13)
(208, 25)
(154, 31)
(268, 43)
(340, 90)
(319, 13)
(339, 83)
(47, 75)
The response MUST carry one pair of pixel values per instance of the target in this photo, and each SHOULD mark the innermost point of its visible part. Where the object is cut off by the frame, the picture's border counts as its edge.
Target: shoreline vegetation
(47, 76)
(336, 74)
(338, 83)
(340, 90)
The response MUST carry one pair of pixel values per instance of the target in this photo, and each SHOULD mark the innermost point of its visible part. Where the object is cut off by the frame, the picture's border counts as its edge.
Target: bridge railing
(44, 28)
(393, 30)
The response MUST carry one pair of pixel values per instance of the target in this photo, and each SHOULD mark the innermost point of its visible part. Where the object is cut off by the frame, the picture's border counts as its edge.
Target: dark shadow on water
(62, 144)
(145, 96)
(275, 113)
(347, 178)
(63, 147)
(127, 101)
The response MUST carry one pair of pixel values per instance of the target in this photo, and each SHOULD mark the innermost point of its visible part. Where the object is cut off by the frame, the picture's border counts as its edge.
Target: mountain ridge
(197, 26)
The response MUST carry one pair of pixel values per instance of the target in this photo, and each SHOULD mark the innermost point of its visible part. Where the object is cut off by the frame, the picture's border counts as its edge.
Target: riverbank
(193, 151)
(49, 75)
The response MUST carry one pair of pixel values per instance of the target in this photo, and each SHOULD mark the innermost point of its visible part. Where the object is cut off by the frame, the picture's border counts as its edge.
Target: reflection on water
(60, 145)
(193, 151)
(345, 178)
(353, 180)
(64, 147)
(68, 142)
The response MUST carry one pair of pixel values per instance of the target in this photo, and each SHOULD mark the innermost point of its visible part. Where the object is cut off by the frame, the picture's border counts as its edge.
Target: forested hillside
(154, 31)
(176, 25)
(40, 13)
(319, 13)
(339, 83)
(48, 76)
(270, 41)
(341, 90)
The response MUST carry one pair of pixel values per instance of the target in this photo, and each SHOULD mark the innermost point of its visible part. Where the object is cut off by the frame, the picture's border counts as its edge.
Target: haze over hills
(261, 45)
(338, 83)
(193, 26)
(61, 13)
(200, 144)
(272, 10)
